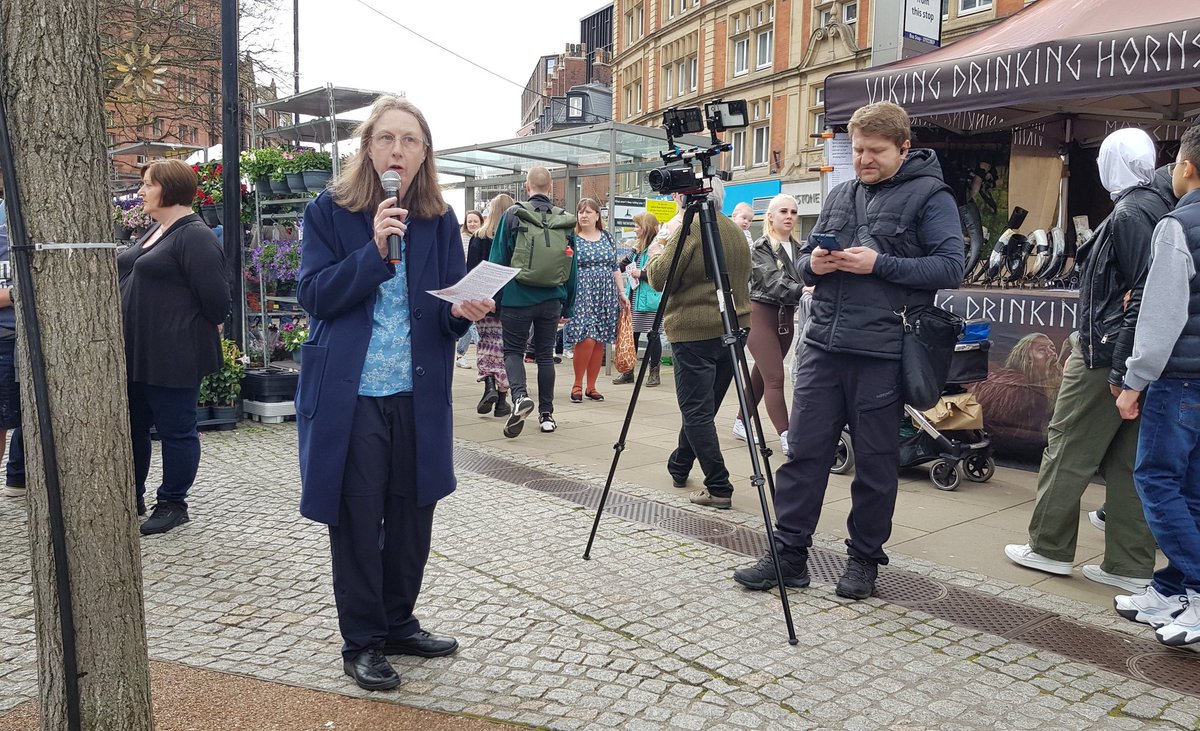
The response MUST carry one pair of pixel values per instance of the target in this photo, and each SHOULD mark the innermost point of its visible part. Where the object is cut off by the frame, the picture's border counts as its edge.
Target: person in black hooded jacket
(1087, 433)
(850, 367)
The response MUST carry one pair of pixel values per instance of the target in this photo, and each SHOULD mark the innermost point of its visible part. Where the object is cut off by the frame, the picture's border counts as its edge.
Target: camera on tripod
(678, 174)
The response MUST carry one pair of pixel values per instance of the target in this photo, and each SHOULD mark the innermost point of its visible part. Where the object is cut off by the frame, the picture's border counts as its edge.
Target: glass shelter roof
(576, 147)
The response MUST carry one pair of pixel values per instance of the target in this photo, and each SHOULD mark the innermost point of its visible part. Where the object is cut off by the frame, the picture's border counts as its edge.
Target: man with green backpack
(534, 236)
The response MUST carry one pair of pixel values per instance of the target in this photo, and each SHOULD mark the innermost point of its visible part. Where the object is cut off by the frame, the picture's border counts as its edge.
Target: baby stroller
(950, 436)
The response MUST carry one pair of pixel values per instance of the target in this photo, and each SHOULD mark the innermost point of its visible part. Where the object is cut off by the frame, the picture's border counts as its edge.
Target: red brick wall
(779, 128)
(1004, 8)
(863, 26)
(783, 35)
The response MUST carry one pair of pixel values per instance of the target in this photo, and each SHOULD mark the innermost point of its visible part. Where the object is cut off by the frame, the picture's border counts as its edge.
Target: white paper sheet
(481, 283)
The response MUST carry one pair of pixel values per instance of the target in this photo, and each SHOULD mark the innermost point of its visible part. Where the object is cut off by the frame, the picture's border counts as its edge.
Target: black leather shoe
(858, 580)
(421, 644)
(371, 670)
(141, 505)
(762, 576)
(166, 516)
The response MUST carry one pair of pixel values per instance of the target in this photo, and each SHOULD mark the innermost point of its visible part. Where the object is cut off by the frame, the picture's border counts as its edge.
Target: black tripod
(734, 338)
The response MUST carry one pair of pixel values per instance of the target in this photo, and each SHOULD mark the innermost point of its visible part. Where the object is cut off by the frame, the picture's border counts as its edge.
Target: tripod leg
(754, 418)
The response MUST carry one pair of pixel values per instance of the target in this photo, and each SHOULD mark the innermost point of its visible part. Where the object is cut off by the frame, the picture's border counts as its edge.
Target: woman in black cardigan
(174, 297)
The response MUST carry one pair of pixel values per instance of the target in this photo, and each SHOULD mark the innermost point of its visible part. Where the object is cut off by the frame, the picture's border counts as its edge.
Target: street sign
(625, 209)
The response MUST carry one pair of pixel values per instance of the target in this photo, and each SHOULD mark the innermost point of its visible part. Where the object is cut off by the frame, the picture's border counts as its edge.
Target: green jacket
(515, 294)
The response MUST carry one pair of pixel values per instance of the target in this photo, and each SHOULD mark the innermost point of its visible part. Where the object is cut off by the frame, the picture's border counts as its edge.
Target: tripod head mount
(678, 174)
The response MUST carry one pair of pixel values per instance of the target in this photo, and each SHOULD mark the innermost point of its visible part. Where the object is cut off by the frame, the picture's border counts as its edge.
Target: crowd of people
(375, 390)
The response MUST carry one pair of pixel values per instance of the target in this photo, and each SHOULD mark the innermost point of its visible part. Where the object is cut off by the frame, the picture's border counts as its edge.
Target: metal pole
(231, 143)
(296, 44)
(333, 129)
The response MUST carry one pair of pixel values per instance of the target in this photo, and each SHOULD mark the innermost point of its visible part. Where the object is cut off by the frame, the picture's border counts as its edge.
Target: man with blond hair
(524, 307)
(850, 366)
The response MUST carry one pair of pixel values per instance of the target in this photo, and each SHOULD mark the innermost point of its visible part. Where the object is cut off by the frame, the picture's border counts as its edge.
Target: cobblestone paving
(649, 634)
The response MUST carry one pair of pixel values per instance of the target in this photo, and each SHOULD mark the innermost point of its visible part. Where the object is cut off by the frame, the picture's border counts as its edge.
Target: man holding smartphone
(863, 273)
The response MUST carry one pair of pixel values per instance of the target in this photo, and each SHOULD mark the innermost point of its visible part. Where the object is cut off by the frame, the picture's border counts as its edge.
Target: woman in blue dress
(599, 299)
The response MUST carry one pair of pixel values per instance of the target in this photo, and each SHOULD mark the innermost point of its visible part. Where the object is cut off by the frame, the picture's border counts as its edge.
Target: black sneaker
(761, 576)
(166, 516)
(858, 580)
(547, 423)
(516, 421)
(141, 505)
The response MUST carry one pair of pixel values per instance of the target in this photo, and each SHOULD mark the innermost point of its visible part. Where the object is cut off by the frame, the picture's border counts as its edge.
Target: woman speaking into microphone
(377, 366)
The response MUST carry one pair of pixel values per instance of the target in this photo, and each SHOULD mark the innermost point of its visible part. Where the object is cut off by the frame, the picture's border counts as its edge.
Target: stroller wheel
(843, 460)
(944, 475)
(979, 468)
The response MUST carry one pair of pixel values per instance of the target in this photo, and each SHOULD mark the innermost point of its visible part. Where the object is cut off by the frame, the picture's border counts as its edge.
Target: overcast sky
(347, 44)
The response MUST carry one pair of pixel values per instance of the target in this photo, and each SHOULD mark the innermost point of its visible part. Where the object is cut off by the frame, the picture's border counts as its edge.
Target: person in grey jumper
(1165, 365)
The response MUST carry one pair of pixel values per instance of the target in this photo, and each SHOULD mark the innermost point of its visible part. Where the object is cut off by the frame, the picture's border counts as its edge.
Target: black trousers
(703, 371)
(381, 542)
(831, 390)
(516, 323)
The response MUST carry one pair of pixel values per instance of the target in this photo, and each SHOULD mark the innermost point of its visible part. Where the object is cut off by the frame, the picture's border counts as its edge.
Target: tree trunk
(50, 77)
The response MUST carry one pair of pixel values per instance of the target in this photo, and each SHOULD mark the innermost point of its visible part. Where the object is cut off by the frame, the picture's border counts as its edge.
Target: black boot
(490, 395)
(503, 408)
(654, 379)
(624, 378)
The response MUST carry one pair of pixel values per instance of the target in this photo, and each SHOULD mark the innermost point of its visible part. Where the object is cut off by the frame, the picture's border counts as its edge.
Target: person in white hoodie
(1086, 433)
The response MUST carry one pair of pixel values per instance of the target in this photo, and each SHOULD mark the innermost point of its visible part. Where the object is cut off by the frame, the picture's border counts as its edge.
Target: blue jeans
(1167, 476)
(172, 412)
(470, 336)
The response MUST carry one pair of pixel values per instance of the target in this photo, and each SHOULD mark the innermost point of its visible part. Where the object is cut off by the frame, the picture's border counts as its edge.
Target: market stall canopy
(1051, 59)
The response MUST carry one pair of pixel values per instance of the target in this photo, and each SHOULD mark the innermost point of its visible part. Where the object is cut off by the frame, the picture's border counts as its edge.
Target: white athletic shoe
(1185, 628)
(1128, 583)
(1150, 607)
(739, 429)
(462, 363)
(783, 445)
(1096, 518)
(1027, 557)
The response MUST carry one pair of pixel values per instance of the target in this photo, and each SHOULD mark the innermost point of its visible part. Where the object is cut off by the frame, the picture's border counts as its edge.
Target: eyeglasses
(1172, 165)
(387, 140)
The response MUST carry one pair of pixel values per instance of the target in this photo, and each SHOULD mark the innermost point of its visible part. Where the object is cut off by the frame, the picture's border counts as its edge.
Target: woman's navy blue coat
(340, 273)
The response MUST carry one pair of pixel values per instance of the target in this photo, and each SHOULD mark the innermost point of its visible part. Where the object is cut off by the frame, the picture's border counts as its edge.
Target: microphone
(391, 181)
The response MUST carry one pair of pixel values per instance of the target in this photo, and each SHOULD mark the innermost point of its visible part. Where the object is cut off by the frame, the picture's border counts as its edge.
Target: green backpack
(542, 246)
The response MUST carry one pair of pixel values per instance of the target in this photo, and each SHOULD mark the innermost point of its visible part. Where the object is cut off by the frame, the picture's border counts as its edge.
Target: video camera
(678, 174)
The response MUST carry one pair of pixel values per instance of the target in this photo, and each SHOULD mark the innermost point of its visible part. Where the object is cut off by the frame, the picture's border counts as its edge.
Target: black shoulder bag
(930, 332)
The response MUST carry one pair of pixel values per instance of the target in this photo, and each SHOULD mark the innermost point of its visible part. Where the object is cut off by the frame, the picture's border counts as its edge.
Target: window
(157, 127)
(818, 125)
(737, 155)
(575, 107)
(771, 13)
(741, 52)
(550, 66)
(668, 87)
(682, 72)
(819, 95)
(945, 9)
(670, 9)
(850, 13)
(972, 6)
(628, 101)
(637, 96)
(764, 49)
(682, 6)
(695, 75)
(628, 29)
(737, 24)
(768, 110)
(760, 16)
(761, 140)
(826, 18)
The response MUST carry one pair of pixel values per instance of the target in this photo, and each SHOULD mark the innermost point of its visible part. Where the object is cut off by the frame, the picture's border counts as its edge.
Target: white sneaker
(1096, 519)
(739, 429)
(1027, 557)
(1185, 628)
(1128, 583)
(783, 445)
(547, 422)
(1150, 607)
(462, 363)
(13, 491)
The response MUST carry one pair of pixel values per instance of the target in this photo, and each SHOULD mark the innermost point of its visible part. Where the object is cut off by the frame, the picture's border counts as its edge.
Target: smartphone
(827, 242)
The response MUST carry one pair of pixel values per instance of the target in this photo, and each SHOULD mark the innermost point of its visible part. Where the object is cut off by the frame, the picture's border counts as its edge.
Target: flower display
(275, 260)
(128, 213)
(293, 335)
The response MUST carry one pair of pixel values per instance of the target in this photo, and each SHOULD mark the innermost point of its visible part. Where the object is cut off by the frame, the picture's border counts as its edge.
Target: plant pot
(203, 413)
(262, 186)
(280, 187)
(296, 355)
(208, 213)
(227, 414)
(220, 214)
(269, 384)
(316, 180)
(295, 182)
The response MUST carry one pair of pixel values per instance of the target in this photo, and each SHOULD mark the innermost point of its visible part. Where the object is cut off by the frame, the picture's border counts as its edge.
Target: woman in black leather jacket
(775, 290)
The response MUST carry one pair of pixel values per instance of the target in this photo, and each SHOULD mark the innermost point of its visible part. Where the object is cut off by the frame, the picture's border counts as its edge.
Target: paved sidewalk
(650, 634)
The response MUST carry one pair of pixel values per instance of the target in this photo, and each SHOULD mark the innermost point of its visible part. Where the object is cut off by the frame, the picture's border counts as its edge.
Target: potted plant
(292, 167)
(222, 388)
(275, 261)
(317, 169)
(209, 193)
(293, 335)
(259, 166)
(131, 219)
